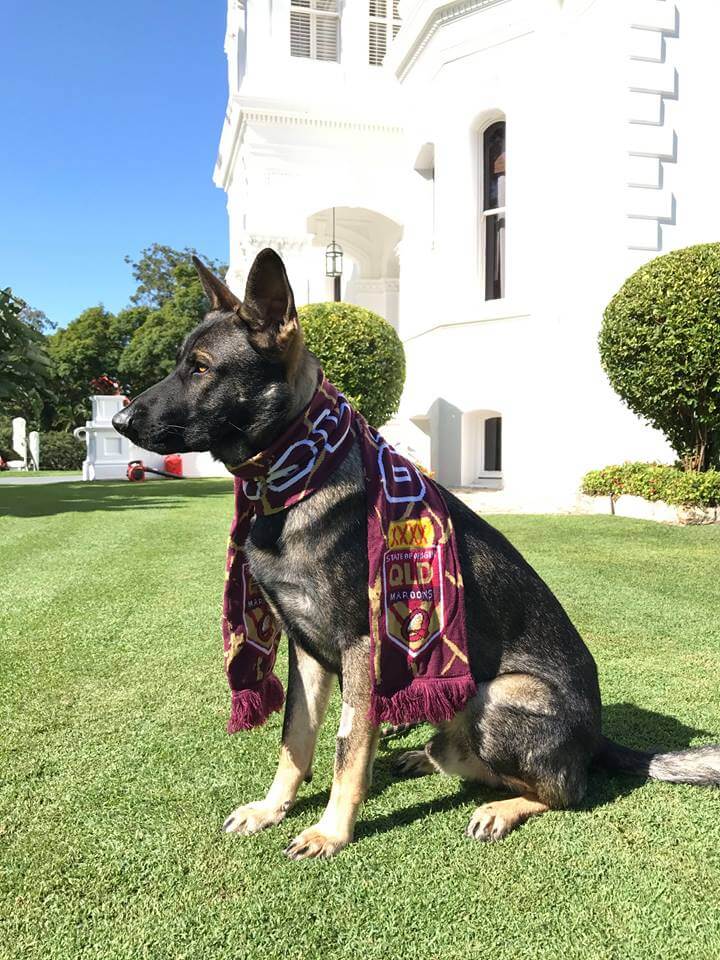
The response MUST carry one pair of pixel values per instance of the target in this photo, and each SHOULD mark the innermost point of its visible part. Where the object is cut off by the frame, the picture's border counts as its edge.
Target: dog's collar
(297, 463)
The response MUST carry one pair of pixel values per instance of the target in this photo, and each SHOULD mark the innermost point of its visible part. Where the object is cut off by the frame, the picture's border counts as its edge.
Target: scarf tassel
(253, 705)
(424, 701)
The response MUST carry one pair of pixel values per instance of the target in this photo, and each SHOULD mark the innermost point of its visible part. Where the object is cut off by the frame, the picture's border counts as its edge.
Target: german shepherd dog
(532, 729)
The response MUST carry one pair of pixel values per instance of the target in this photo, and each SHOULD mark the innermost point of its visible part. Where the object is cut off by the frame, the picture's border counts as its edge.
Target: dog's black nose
(123, 420)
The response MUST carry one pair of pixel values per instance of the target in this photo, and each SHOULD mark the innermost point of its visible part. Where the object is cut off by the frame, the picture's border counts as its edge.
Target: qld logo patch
(413, 586)
(260, 625)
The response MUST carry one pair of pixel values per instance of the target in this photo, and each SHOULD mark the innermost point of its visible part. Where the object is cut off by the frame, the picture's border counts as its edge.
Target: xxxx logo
(411, 533)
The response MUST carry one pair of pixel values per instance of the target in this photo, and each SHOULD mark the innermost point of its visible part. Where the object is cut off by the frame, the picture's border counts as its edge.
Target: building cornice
(245, 110)
(424, 22)
(339, 115)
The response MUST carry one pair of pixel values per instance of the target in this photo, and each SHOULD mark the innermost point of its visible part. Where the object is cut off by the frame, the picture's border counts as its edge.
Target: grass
(18, 474)
(117, 772)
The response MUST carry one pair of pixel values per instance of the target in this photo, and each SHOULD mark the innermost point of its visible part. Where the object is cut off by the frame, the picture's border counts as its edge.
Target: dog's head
(238, 373)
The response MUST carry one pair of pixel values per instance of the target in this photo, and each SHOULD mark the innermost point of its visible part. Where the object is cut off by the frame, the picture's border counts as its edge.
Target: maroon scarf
(418, 646)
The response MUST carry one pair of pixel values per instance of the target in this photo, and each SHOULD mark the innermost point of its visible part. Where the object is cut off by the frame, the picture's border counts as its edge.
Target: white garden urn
(108, 452)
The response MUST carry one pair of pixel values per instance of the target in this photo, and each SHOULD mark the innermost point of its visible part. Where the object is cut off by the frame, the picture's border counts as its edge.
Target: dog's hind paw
(413, 763)
(313, 842)
(252, 818)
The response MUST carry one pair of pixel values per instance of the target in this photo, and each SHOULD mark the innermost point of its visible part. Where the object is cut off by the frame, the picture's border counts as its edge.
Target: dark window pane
(493, 444)
(495, 257)
(494, 166)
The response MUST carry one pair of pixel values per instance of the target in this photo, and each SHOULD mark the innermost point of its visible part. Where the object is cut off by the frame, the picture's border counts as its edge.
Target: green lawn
(22, 474)
(117, 772)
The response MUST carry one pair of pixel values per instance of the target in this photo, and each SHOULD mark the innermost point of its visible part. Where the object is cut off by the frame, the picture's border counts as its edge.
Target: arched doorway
(371, 270)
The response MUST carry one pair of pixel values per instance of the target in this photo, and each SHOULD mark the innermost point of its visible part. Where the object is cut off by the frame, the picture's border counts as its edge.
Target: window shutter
(314, 29)
(378, 43)
(326, 38)
(384, 25)
(299, 34)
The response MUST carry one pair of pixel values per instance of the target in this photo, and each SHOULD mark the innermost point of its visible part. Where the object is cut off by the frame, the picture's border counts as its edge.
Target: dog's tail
(699, 766)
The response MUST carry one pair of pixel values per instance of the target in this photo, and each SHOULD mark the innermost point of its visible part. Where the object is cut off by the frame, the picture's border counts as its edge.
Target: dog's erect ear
(220, 296)
(269, 305)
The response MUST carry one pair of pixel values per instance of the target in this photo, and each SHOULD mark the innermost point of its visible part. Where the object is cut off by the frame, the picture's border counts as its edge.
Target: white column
(19, 439)
(34, 450)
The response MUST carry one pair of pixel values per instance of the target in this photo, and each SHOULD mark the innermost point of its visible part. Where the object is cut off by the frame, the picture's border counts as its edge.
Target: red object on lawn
(136, 471)
(173, 464)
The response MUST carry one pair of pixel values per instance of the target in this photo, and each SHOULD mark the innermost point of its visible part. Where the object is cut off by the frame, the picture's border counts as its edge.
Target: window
(492, 448)
(481, 458)
(314, 29)
(384, 25)
(493, 210)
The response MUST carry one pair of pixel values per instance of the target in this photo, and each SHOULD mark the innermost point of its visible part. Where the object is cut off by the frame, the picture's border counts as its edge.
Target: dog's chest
(311, 562)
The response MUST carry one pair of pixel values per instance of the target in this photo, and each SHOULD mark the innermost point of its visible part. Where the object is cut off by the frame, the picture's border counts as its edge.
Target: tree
(660, 347)
(136, 346)
(89, 347)
(150, 354)
(360, 352)
(155, 273)
(36, 319)
(24, 363)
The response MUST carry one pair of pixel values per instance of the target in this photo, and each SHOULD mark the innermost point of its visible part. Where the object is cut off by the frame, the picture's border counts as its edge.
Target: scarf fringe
(429, 700)
(252, 706)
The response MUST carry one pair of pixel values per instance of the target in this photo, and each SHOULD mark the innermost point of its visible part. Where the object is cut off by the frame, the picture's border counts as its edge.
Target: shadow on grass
(43, 500)
(628, 724)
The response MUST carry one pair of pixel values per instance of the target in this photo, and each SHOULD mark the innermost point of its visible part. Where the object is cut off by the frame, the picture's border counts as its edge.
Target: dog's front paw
(492, 821)
(314, 842)
(253, 817)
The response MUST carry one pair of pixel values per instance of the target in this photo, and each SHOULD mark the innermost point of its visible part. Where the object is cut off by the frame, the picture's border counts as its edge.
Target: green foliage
(89, 347)
(136, 346)
(660, 347)
(36, 319)
(61, 451)
(655, 481)
(361, 353)
(24, 364)
(6, 449)
(156, 276)
(150, 354)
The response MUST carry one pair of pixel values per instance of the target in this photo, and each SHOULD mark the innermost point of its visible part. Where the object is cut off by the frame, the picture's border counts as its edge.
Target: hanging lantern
(333, 256)
(333, 260)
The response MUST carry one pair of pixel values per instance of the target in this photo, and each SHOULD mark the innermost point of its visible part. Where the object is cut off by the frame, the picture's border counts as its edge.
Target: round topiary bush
(361, 353)
(61, 451)
(660, 347)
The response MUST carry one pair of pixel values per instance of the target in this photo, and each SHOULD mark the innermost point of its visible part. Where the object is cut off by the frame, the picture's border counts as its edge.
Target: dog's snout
(123, 419)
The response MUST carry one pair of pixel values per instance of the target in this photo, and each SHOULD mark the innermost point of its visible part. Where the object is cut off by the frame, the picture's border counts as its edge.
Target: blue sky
(111, 115)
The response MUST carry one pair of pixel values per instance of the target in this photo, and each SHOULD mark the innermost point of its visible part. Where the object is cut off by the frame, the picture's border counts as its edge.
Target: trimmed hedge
(361, 353)
(655, 481)
(61, 451)
(660, 344)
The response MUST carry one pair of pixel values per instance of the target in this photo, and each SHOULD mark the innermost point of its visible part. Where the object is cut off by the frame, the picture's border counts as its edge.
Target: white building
(495, 177)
